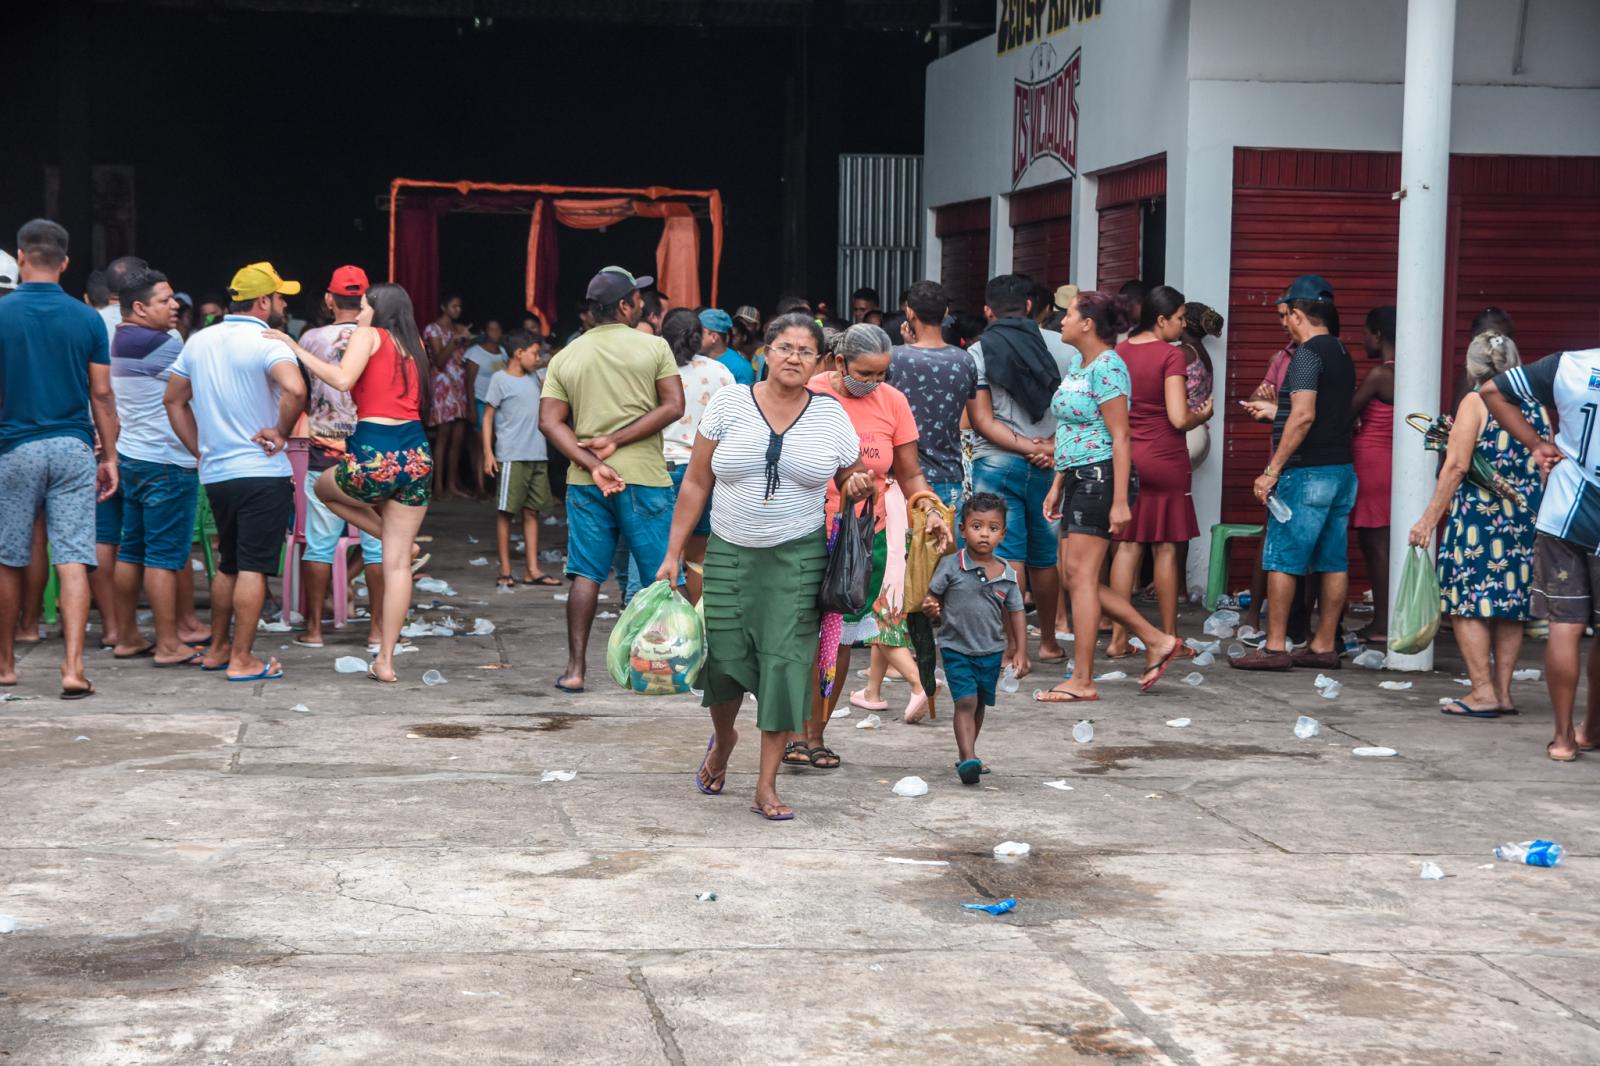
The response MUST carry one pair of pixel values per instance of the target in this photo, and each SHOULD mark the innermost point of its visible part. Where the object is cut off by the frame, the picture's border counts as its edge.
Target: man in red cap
(330, 418)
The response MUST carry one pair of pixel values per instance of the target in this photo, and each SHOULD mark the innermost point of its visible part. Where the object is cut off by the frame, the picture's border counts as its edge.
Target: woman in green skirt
(771, 449)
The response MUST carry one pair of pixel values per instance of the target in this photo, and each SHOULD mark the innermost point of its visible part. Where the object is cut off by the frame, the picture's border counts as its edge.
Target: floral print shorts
(383, 462)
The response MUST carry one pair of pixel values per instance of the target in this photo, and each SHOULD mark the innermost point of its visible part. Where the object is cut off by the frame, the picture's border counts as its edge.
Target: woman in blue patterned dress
(1486, 553)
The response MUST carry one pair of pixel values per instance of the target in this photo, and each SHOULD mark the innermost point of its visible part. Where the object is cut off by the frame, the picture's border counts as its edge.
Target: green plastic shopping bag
(1416, 605)
(659, 643)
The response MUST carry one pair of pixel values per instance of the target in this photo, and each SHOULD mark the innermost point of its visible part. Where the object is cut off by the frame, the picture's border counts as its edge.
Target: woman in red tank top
(384, 483)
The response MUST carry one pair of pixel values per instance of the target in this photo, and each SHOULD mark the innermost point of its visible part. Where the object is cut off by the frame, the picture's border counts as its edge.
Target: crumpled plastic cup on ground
(1011, 849)
(911, 786)
(349, 664)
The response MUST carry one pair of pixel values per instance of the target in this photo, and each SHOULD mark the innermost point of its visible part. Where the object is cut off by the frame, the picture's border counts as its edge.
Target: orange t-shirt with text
(883, 421)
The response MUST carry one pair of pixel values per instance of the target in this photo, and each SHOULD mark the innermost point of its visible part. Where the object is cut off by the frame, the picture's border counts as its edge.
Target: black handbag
(844, 581)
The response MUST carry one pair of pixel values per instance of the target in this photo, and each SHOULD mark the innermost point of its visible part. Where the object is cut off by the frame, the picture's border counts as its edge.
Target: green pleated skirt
(762, 625)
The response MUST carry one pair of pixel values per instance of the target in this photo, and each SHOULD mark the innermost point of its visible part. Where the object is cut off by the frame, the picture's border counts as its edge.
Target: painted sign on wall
(1019, 23)
(1044, 113)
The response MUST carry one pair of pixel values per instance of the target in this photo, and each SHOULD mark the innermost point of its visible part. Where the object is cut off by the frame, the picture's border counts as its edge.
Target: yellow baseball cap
(257, 280)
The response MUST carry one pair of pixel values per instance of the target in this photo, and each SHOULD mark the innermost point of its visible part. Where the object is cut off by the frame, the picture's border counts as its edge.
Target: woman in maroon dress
(1158, 418)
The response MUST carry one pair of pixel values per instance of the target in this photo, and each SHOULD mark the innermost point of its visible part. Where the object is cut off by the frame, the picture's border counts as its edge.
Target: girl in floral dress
(451, 408)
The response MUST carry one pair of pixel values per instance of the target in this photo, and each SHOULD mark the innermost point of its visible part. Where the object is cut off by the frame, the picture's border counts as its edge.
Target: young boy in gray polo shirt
(974, 597)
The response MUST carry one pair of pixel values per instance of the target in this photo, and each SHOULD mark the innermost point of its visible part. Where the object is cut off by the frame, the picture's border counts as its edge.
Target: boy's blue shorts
(969, 675)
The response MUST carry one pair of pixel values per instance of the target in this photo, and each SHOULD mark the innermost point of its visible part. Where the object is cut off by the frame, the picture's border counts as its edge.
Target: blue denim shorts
(702, 527)
(639, 515)
(969, 675)
(1315, 540)
(1030, 539)
(108, 516)
(158, 505)
(324, 528)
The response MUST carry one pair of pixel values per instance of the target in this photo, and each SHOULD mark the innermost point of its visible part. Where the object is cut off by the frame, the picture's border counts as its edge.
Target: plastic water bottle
(1280, 510)
(1083, 732)
(1352, 644)
(1531, 853)
(1008, 680)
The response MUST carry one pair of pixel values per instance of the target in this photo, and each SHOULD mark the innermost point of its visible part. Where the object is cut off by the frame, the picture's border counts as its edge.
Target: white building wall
(1198, 78)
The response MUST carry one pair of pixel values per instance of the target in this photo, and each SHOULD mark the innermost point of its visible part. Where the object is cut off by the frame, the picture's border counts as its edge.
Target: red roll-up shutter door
(1041, 234)
(1119, 247)
(963, 232)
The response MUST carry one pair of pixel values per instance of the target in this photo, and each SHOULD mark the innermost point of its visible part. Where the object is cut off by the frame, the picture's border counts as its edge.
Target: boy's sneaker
(1251, 637)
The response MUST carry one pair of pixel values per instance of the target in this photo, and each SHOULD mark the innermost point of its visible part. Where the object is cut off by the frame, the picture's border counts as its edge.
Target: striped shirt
(1568, 384)
(819, 444)
(141, 363)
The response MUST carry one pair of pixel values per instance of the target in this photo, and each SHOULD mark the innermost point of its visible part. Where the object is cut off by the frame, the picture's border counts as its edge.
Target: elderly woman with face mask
(888, 438)
(1486, 552)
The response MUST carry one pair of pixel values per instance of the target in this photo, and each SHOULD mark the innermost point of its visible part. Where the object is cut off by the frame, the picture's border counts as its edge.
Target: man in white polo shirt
(234, 397)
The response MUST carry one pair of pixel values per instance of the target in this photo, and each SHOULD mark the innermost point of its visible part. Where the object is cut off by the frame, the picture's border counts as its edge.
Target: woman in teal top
(1094, 487)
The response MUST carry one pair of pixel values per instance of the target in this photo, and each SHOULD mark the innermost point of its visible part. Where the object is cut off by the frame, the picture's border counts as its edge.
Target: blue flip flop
(1466, 712)
(697, 774)
(266, 674)
(969, 769)
(773, 817)
(568, 688)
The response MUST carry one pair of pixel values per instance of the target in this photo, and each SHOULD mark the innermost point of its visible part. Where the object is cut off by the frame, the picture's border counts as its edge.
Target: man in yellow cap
(233, 398)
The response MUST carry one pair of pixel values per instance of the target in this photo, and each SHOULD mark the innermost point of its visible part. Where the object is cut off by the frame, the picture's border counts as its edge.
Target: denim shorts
(324, 528)
(1315, 539)
(702, 526)
(971, 675)
(158, 505)
(639, 516)
(108, 516)
(1030, 539)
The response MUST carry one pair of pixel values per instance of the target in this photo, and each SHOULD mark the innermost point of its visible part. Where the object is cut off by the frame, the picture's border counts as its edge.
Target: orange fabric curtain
(594, 214)
(677, 254)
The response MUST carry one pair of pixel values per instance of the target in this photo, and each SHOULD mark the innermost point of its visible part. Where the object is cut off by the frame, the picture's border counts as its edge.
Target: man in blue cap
(1311, 472)
(715, 326)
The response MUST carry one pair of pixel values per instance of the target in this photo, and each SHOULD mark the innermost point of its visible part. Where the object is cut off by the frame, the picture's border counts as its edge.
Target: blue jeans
(324, 528)
(158, 505)
(1030, 539)
(639, 517)
(702, 526)
(1315, 539)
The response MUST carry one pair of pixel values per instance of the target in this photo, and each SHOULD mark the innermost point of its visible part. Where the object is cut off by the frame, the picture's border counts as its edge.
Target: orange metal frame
(653, 192)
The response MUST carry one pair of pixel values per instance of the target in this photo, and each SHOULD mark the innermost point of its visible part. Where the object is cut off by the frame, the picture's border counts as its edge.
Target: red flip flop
(1161, 667)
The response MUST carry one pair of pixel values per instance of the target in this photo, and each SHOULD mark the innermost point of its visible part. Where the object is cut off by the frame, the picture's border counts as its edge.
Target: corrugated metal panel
(1041, 233)
(1118, 261)
(880, 225)
(1144, 180)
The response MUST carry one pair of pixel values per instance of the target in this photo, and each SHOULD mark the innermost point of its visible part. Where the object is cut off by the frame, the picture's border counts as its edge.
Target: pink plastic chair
(299, 450)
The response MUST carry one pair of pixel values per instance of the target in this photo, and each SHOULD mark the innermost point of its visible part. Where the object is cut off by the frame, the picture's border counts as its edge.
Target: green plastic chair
(52, 593)
(205, 528)
(1217, 571)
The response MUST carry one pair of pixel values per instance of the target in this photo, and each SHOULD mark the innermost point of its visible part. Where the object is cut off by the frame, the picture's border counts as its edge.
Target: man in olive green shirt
(620, 388)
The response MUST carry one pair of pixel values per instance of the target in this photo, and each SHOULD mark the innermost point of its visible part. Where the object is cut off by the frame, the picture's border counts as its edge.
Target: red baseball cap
(348, 281)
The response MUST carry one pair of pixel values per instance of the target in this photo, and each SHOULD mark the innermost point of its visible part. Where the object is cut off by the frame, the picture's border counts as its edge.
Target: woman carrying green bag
(1486, 552)
(772, 450)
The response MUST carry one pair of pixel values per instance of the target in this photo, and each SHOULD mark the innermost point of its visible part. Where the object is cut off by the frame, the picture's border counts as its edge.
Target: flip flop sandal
(505, 581)
(701, 773)
(1130, 653)
(420, 561)
(772, 817)
(1161, 667)
(1548, 750)
(968, 770)
(858, 698)
(793, 748)
(1463, 711)
(543, 581)
(213, 669)
(78, 693)
(917, 709)
(190, 661)
(308, 643)
(574, 690)
(1509, 711)
(147, 652)
(1054, 696)
(1063, 657)
(372, 675)
(267, 673)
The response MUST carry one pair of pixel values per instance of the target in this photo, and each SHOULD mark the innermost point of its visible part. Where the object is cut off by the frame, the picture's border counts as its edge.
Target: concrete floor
(199, 875)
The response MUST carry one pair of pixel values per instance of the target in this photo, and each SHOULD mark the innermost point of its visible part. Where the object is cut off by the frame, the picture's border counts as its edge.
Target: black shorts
(252, 515)
(1086, 494)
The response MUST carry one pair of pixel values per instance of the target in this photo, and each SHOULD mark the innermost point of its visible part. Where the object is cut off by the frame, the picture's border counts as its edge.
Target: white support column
(1419, 291)
(1000, 235)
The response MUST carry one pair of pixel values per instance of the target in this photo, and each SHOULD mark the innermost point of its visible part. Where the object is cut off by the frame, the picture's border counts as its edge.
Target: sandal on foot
(968, 770)
(1549, 749)
(1160, 667)
(825, 752)
(700, 774)
(1459, 709)
(544, 581)
(763, 809)
(1061, 696)
(796, 753)
(917, 709)
(505, 581)
(78, 693)
(858, 698)
(372, 674)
